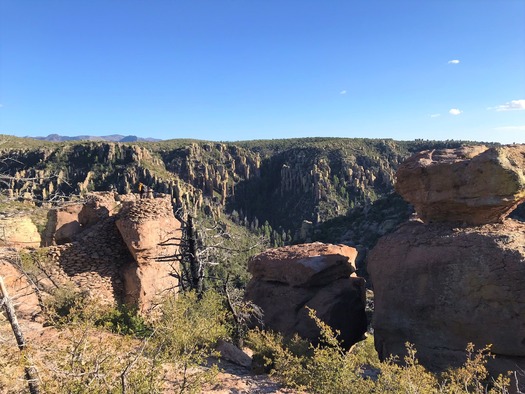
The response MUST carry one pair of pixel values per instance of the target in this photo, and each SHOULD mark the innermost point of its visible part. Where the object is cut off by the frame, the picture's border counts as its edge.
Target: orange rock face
(146, 226)
(19, 289)
(66, 223)
(439, 287)
(475, 185)
(286, 281)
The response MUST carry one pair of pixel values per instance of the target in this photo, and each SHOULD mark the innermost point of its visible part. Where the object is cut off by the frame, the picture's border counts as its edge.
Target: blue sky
(258, 69)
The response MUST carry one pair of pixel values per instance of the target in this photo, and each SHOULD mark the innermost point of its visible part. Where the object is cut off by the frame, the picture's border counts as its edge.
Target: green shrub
(124, 320)
(186, 335)
(328, 368)
(66, 305)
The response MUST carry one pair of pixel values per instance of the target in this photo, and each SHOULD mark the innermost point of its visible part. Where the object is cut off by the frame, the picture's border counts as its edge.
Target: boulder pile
(457, 276)
(288, 280)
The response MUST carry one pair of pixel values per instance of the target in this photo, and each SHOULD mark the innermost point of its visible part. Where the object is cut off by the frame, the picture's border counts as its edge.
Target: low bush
(328, 368)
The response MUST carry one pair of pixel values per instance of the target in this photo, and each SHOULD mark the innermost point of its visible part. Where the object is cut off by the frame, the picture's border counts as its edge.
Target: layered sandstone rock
(475, 185)
(440, 287)
(151, 232)
(19, 232)
(114, 264)
(93, 263)
(286, 281)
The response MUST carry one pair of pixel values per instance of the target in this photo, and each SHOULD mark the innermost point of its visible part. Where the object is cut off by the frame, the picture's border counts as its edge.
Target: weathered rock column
(145, 225)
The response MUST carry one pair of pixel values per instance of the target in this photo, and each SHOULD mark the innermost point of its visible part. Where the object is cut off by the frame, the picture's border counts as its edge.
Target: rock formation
(19, 231)
(113, 256)
(98, 206)
(473, 184)
(62, 224)
(20, 289)
(287, 280)
(150, 232)
(442, 284)
(313, 179)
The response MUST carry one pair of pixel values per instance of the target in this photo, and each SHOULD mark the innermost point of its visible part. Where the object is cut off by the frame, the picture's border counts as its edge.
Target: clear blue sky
(258, 69)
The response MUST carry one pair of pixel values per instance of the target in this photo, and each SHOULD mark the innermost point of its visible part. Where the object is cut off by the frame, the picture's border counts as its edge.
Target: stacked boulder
(151, 233)
(287, 281)
(457, 275)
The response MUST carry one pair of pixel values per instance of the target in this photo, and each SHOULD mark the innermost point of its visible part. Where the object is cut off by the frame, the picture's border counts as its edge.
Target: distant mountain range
(110, 138)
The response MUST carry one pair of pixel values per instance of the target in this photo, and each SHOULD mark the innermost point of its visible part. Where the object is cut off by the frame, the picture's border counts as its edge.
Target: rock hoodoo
(320, 276)
(150, 232)
(473, 184)
(440, 285)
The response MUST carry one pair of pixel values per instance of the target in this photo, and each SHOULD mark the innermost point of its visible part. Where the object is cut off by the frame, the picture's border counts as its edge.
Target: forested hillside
(291, 190)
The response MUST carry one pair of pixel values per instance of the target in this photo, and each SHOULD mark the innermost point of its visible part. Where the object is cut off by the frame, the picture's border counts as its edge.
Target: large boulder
(19, 232)
(314, 264)
(98, 206)
(475, 185)
(439, 287)
(289, 280)
(62, 224)
(151, 233)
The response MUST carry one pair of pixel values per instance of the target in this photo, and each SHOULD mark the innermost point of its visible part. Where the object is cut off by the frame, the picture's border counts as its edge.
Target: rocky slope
(115, 250)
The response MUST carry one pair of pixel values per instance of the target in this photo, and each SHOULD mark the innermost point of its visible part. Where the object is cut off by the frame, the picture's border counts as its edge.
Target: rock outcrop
(93, 263)
(441, 287)
(473, 184)
(151, 233)
(113, 255)
(20, 289)
(98, 206)
(19, 232)
(445, 283)
(62, 224)
(288, 280)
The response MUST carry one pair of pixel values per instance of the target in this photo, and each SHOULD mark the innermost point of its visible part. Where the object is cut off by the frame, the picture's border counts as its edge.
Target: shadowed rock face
(288, 280)
(441, 287)
(444, 284)
(475, 185)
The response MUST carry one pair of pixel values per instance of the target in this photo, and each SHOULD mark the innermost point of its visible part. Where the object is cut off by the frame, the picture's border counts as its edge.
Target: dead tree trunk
(195, 264)
(30, 370)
